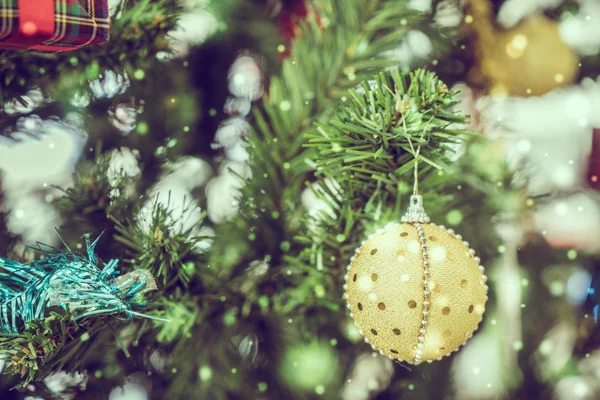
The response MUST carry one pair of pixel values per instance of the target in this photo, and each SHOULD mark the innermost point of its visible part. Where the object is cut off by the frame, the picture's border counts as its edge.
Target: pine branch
(96, 193)
(35, 353)
(59, 343)
(366, 162)
(337, 49)
(165, 247)
(372, 140)
(339, 46)
(368, 150)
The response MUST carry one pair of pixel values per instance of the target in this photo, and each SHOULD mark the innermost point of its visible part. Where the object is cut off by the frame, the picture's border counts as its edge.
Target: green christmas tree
(218, 271)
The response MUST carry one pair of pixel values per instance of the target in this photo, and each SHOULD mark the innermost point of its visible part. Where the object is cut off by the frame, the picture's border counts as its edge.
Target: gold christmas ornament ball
(531, 59)
(416, 291)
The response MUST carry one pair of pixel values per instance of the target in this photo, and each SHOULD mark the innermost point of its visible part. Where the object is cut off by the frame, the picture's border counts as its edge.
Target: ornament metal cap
(415, 212)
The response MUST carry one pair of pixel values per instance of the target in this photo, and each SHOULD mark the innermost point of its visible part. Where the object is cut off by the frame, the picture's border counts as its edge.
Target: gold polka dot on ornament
(428, 304)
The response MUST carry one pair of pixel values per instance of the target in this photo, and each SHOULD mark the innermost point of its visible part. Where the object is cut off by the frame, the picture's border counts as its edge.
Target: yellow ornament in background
(531, 59)
(416, 290)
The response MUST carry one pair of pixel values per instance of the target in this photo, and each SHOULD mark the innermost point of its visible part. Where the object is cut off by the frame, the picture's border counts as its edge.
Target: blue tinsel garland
(69, 281)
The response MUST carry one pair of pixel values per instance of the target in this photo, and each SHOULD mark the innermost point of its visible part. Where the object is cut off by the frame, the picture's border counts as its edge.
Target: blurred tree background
(215, 145)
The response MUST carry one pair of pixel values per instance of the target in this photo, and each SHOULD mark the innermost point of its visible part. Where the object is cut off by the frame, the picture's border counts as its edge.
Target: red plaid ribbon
(53, 25)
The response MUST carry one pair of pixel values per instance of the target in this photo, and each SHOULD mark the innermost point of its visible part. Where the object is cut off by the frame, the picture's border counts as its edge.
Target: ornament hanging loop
(416, 211)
